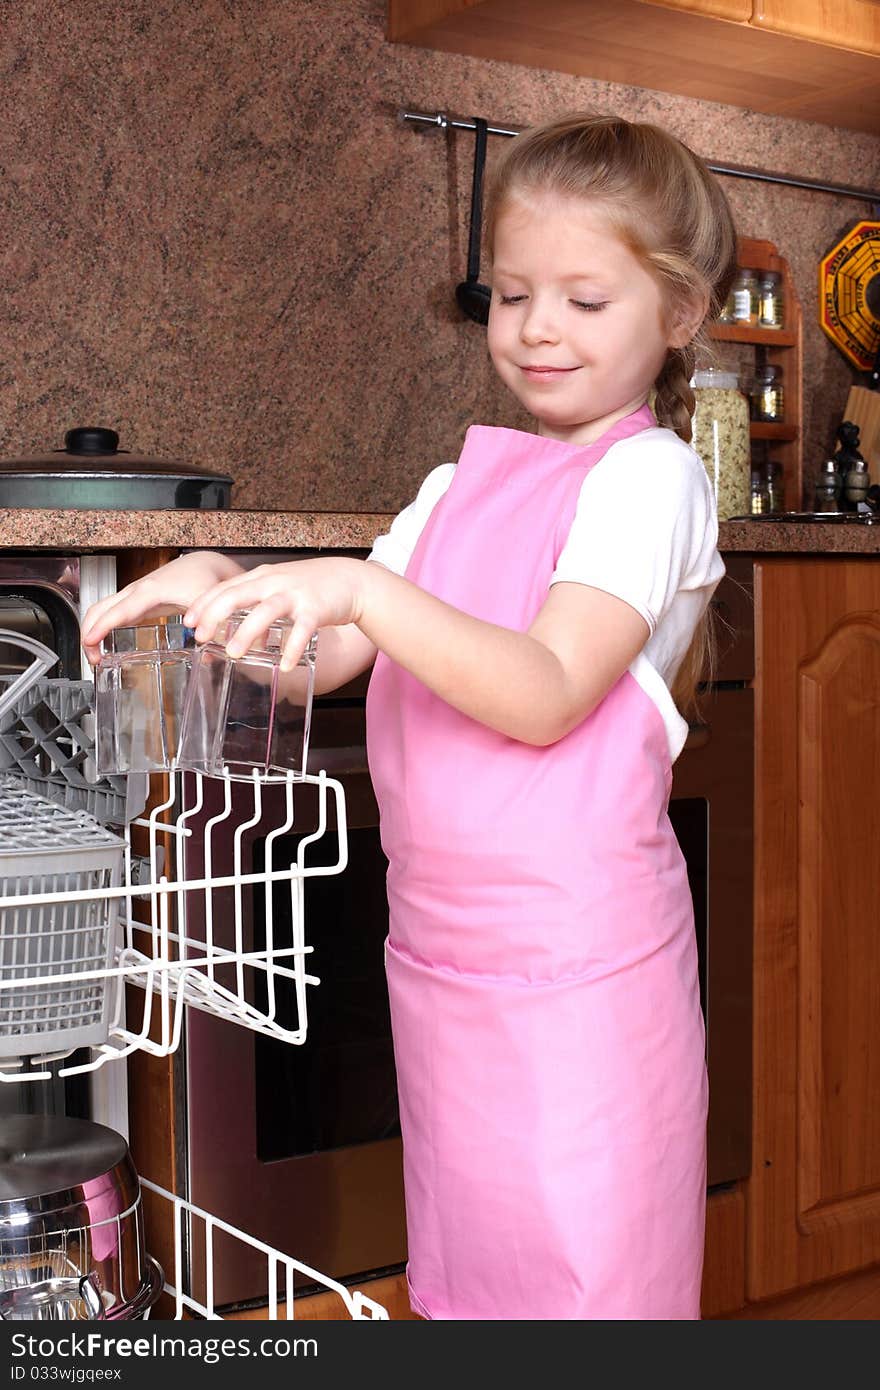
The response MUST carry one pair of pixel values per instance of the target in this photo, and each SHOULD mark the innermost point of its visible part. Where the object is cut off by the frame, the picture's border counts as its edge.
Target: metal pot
(71, 1223)
(91, 471)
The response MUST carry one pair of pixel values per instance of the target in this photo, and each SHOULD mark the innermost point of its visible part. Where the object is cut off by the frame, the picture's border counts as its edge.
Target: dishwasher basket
(52, 996)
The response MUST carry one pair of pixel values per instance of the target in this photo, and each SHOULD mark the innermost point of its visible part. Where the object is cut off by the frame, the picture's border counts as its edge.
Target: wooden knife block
(863, 408)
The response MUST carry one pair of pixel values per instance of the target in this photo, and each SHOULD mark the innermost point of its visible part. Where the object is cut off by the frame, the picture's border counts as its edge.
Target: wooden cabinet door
(740, 11)
(814, 1194)
(853, 24)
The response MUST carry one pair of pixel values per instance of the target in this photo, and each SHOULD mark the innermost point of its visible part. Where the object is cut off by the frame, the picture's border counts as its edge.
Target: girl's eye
(591, 306)
(511, 298)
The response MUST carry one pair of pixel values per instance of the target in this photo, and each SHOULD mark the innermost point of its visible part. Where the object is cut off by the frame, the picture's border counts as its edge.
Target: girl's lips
(547, 371)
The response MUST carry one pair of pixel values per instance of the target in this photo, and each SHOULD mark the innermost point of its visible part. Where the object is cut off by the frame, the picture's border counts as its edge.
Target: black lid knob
(91, 439)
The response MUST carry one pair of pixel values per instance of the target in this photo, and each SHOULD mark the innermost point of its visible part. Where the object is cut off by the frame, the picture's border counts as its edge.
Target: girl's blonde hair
(668, 209)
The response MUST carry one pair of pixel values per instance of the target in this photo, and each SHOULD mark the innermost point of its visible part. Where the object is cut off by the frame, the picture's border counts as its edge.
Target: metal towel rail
(439, 120)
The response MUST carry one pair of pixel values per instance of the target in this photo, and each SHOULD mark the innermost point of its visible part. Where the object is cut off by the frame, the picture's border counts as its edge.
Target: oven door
(300, 1144)
(712, 814)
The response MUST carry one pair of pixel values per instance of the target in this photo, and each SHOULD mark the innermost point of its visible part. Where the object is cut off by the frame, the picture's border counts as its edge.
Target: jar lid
(768, 373)
(714, 376)
(771, 277)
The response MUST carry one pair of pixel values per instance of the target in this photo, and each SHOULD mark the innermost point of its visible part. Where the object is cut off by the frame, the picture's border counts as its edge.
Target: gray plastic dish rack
(47, 744)
(54, 839)
(46, 848)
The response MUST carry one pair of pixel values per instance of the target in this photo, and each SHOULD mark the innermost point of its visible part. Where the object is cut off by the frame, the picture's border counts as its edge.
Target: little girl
(529, 616)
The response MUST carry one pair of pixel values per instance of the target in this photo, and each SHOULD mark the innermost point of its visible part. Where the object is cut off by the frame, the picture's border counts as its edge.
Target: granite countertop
(34, 529)
(44, 529)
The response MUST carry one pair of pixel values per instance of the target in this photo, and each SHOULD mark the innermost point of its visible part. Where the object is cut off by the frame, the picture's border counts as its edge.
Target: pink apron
(541, 957)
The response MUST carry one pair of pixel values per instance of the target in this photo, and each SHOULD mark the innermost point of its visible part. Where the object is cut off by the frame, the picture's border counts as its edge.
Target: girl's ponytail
(674, 398)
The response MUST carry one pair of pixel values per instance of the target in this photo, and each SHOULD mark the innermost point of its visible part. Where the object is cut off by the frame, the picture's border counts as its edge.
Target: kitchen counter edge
(35, 529)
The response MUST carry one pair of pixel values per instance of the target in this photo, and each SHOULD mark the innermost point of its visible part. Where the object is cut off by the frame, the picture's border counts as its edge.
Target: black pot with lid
(92, 472)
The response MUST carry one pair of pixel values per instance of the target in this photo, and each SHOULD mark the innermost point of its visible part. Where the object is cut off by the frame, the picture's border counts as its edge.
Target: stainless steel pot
(91, 471)
(71, 1223)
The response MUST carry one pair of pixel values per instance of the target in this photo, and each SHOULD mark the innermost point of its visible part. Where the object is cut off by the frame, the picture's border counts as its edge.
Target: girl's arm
(534, 686)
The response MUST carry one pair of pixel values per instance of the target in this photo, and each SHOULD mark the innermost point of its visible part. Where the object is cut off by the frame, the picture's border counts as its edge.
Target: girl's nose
(539, 323)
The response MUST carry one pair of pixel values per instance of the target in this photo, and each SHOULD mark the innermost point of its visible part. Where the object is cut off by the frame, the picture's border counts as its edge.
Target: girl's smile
(548, 373)
(577, 325)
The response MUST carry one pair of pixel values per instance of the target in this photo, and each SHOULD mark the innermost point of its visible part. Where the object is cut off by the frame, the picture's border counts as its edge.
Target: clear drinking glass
(140, 685)
(242, 715)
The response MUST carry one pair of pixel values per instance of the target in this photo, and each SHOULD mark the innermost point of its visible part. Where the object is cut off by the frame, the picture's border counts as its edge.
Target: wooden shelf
(781, 344)
(744, 333)
(765, 429)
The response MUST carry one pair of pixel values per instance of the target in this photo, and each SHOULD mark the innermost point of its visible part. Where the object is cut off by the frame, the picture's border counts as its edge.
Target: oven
(301, 1143)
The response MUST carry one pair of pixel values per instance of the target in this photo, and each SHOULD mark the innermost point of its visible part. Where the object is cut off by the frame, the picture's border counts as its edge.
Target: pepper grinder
(828, 485)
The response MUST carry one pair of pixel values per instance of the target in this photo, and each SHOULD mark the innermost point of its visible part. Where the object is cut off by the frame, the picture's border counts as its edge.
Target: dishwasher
(107, 942)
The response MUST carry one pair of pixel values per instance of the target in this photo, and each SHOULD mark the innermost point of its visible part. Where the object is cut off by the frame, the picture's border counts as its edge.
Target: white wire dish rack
(184, 940)
(192, 1226)
(159, 898)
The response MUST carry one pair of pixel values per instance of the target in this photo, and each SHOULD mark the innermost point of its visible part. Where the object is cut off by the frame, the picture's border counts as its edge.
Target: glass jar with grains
(720, 435)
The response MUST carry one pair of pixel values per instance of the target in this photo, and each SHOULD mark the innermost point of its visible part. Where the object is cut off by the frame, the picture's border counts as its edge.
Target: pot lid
(90, 450)
(57, 1164)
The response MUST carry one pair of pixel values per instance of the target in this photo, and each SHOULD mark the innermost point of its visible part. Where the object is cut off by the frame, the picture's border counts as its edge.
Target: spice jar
(745, 296)
(774, 486)
(766, 398)
(720, 435)
(760, 502)
(728, 309)
(770, 300)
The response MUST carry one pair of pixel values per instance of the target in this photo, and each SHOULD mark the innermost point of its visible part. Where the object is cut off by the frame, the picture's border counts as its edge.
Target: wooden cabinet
(814, 60)
(851, 24)
(780, 347)
(813, 1199)
(739, 11)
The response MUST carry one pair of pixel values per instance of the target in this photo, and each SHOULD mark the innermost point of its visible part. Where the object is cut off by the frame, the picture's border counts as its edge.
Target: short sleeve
(394, 548)
(645, 526)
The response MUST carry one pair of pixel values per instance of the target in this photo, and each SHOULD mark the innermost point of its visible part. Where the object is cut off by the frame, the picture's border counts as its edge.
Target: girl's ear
(687, 319)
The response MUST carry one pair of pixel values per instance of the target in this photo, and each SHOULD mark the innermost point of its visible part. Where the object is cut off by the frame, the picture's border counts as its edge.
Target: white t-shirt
(645, 529)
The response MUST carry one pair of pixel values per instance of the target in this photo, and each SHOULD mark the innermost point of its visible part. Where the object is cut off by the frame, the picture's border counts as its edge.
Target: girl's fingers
(296, 643)
(220, 600)
(257, 624)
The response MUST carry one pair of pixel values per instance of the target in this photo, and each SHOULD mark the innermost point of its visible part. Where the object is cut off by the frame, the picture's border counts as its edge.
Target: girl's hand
(324, 592)
(169, 589)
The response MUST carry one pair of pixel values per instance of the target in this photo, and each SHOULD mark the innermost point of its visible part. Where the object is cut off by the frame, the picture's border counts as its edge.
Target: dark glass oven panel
(341, 1087)
(690, 821)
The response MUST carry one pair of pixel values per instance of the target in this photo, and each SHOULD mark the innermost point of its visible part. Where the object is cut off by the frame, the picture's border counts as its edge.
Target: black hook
(473, 298)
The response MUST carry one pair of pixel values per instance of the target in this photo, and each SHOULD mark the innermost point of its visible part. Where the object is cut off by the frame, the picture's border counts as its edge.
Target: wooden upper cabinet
(814, 60)
(852, 24)
(740, 11)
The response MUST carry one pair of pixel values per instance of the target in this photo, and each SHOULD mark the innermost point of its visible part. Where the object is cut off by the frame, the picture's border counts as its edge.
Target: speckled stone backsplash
(217, 239)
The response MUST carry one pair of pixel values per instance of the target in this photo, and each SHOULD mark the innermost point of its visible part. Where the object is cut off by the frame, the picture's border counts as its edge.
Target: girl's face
(577, 327)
